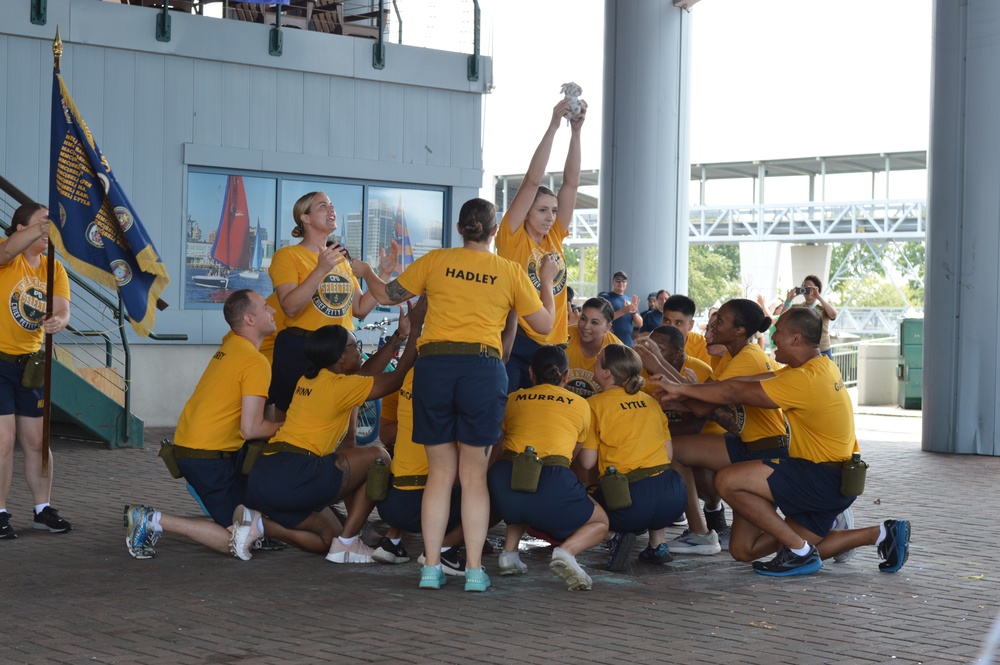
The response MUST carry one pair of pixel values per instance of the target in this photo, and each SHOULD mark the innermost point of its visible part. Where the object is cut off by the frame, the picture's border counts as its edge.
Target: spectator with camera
(811, 291)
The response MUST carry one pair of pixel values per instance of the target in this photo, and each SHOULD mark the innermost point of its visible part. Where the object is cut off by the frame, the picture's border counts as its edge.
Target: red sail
(232, 247)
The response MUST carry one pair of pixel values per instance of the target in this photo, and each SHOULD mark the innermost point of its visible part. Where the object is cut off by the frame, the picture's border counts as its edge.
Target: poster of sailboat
(228, 236)
(231, 248)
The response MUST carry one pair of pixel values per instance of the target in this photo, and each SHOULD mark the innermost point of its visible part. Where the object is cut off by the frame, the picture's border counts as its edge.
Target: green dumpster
(910, 370)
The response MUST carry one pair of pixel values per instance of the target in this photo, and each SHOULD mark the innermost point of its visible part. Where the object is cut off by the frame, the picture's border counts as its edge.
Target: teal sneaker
(476, 579)
(432, 578)
(895, 549)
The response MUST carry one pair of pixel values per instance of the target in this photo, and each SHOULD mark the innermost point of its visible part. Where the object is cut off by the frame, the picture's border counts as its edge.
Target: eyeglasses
(620, 279)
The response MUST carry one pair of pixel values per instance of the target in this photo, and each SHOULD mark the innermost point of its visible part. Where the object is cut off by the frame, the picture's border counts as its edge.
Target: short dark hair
(673, 335)
(748, 315)
(237, 305)
(804, 321)
(815, 280)
(22, 216)
(682, 304)
(602, 305)
(549, 364)
(325, 347)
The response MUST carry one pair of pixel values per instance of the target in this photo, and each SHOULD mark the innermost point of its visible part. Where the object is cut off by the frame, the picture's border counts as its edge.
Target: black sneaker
(268, 544)
(452, 562)
(786, 563)
(659, 554)
(716, 520)
(6, 530)
(895, 547)
(50, 521)
(620, 546)
(386, 552)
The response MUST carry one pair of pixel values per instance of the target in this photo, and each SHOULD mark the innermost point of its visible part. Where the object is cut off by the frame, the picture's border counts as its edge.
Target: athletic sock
(154, 522)
(802, 551)
(39, 507)
(260, 524)
(881, 534)
(395, 541)
(347, 541)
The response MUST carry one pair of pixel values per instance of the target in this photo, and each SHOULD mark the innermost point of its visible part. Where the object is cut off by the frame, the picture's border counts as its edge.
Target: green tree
(713, 274)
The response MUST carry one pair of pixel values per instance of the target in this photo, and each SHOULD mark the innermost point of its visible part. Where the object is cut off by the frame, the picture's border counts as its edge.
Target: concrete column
(811, 260)
(645, 167)
(961, 375)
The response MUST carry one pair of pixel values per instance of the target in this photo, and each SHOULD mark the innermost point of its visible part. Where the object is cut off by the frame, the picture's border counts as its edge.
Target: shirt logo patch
(27, 303)
(558, 282)
(333, 297)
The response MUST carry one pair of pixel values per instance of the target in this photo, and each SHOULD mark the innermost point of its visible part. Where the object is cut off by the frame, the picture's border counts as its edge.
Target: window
(237, 220)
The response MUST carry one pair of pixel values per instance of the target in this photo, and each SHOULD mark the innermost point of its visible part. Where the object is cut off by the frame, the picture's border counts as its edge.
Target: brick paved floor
(80, 597)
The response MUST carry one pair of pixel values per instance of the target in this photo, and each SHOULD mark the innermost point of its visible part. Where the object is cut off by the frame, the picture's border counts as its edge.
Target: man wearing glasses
(626, 311)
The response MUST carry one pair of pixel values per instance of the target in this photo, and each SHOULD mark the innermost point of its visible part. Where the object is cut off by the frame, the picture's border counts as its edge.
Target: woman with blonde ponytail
(630, 433)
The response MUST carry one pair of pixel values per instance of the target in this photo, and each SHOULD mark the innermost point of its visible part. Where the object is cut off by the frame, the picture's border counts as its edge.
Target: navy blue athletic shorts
(458, 398)
(657, 502)
(220, 483)
(15, 399)
(401, 509)
(288, 487)
(558, 508)
(807, 492)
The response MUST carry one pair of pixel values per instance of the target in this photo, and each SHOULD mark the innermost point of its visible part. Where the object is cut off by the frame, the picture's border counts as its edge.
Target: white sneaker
(693, 543)
(356, 552)
(511, 564)
(845, 520)
(244, 533)
(569, 570)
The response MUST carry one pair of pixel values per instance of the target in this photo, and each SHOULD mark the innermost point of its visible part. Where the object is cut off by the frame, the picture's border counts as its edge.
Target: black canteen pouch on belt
(34, 371)
(377, 484)
(615, 489)
(852, 477)
(168, 457)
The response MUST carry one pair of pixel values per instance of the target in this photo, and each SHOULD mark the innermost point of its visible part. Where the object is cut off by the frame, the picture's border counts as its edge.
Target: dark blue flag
(94, 226)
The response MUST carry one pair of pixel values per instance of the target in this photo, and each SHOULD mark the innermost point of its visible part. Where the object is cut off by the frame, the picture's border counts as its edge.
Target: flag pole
(50, 280)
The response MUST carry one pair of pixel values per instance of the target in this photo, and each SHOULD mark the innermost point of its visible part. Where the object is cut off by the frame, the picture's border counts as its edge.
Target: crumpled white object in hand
(572, 91)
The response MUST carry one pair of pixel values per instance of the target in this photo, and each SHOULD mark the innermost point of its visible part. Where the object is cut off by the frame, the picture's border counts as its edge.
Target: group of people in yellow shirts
(503, 411)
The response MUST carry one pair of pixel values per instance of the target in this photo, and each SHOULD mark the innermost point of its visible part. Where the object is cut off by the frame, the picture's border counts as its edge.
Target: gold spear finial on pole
(57, 49)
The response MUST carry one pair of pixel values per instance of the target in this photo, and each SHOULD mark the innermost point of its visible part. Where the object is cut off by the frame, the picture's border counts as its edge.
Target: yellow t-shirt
(520, 247)
(408, 458)
(267, 345)
(318, 416)
(331, 304)
(818, 408)
(549, 418)
(21, 322)
(754, 423)
(627, 431)
(211, 418)
(468, 294)
(581, 368)
(695, 346)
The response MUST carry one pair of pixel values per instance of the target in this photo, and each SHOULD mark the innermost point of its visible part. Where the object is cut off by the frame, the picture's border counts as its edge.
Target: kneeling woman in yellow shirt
(301, 472)
(629, 432)
(555, 422)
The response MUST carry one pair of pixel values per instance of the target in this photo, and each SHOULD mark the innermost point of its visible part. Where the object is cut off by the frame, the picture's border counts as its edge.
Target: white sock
(39, 507)
(260, 524)
(881, 534)
(154, 522)
(802, 551)
(444, 549)
(3, 510)
(395, 541)
(347, 541)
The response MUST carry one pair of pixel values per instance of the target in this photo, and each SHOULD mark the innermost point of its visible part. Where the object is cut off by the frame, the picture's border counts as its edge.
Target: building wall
(214, 97)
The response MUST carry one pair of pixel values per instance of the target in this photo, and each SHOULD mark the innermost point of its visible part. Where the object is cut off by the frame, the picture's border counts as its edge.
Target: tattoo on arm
(726, 416)
(397, 293)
